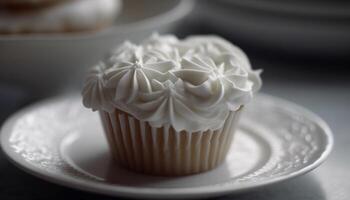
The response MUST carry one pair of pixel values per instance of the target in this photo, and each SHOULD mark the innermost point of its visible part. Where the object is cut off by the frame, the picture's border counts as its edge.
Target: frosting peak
(189, 84)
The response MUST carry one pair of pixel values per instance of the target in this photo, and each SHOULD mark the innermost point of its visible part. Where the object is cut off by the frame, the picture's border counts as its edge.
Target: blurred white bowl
(46, 64)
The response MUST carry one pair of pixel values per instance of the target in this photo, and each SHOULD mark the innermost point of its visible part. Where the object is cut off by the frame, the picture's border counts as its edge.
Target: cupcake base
(136, 145)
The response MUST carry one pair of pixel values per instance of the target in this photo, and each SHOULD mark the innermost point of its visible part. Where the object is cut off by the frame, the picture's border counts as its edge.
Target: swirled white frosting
(189, 84)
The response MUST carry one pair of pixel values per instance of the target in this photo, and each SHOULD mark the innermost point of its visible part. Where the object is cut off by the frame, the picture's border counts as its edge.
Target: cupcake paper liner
(136, 145)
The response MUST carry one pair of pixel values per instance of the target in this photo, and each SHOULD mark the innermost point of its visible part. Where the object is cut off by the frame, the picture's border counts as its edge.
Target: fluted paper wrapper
(136, 145)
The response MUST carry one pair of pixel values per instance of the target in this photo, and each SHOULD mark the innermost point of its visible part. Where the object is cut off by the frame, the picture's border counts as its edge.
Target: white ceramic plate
(60, 141)
(61, 60)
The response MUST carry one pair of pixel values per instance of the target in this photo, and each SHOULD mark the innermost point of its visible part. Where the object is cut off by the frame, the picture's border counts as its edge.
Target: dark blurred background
(303, 48)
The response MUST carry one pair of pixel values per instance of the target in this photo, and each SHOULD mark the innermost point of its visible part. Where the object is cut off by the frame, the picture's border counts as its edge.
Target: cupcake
(53, 16)
(168, 106)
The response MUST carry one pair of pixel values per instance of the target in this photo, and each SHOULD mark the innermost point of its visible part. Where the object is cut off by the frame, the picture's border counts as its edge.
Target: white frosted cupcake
(169, 106)
(53, 16)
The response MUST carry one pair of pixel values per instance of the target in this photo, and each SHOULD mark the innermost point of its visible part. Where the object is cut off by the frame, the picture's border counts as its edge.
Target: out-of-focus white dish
(71, 16)
(317, 28)
(46, 63)
(60, 141)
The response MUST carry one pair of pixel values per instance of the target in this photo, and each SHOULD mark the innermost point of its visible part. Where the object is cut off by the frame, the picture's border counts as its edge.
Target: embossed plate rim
(126, 191)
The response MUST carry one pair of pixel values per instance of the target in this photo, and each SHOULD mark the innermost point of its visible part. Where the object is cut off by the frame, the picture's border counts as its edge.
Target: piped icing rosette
(189, 84)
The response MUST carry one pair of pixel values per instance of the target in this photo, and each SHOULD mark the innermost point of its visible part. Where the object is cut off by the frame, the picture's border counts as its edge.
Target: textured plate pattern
(36, 135)
(299, 138)
(296, 142)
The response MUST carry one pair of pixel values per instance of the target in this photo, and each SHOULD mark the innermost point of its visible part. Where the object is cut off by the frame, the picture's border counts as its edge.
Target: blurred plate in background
(46, 63)
(304, 27)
